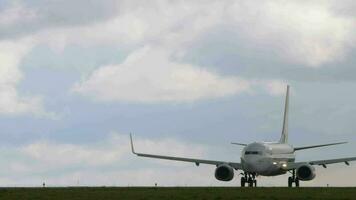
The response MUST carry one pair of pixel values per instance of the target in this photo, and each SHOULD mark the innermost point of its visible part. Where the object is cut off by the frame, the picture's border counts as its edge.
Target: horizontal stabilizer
(317, 146)
(241, 144)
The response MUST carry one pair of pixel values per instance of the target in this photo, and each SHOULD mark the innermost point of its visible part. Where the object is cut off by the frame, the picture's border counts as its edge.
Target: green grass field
(172, 193)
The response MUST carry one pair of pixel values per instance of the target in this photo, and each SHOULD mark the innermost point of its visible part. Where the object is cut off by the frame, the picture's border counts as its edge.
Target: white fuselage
(267, 159)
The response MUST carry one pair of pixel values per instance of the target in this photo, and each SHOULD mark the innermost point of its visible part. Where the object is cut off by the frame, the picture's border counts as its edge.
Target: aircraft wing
(321, 162)
(333, 161)
(234, 165)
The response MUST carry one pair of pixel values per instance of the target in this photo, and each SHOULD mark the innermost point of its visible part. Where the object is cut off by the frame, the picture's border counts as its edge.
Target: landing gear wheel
(296, 182)
(243, 181)
(293, 179)
(290, 181)
(250, 182)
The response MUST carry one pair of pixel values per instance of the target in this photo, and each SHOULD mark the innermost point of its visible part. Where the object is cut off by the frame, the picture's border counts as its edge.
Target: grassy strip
(173, 193)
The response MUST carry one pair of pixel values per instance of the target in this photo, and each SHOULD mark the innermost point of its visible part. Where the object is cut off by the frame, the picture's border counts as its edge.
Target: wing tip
(132, 146)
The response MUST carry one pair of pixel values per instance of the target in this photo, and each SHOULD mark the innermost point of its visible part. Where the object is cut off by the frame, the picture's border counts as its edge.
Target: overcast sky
(185, 77)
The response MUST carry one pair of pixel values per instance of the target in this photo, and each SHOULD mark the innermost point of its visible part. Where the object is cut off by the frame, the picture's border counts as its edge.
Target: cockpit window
(252, 153)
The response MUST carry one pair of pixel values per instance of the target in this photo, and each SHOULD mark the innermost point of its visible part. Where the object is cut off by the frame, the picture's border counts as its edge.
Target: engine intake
(306, 172)
(224, 173)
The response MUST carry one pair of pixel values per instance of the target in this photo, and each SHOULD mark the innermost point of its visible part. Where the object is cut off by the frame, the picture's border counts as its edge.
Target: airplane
(264, 159)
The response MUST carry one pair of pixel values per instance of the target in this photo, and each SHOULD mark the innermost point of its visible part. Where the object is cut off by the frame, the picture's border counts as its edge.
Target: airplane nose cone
(253, 164)
(253, 157)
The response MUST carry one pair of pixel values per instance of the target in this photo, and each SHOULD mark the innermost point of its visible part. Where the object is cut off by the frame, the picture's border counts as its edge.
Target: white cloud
(303, 32)
(11, 54)
(16, 13)
(148, 75)
(50, 155)
(106, 162)
(64, 155)
(170, 146)
(274, 87)
(297, 31)
(140, 22)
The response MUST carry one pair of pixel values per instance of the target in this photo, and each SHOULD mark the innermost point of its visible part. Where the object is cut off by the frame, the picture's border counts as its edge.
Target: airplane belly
(272, 170)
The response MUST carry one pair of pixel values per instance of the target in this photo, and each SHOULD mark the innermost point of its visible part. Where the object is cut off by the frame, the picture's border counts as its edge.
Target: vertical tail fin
(284, 136)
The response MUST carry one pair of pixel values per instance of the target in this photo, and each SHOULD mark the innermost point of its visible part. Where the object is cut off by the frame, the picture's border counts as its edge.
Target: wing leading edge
(234, 165)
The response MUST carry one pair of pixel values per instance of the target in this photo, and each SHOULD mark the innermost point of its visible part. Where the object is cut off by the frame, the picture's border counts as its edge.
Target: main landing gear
(293, 179)
(249, 179)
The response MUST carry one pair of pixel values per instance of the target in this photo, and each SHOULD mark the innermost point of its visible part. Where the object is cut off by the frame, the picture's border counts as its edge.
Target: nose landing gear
(249, 179)
(293, 179)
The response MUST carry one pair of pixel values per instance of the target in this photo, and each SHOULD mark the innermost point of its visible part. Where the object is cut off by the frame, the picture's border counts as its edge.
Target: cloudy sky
(186, 77)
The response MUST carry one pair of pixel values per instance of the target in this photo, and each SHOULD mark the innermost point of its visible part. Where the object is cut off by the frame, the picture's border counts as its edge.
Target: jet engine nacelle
(224, 172)
(306, 172)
